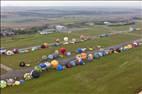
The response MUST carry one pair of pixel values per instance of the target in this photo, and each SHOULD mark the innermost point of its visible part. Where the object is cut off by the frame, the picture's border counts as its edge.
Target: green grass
(34, 57)
(37, 39)
(20, 41)
(113, 74)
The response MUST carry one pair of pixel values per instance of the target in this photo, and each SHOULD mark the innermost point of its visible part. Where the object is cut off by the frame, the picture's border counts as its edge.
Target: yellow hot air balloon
(54, 63)
(17, 83)
(129, 46)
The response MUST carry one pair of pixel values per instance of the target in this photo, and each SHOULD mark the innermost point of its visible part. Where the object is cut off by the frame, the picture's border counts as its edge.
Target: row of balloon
(54, 64)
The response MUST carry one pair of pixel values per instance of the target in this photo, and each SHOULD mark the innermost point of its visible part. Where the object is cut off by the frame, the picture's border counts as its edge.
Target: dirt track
(4, 67)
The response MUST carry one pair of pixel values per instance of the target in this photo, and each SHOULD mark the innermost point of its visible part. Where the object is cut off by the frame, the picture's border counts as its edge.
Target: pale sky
(73, 3)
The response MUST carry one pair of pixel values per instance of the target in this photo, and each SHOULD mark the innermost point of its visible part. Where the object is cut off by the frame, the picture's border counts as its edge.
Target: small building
(5, 33)
(60, 28)
(46, 31)
(90, 24)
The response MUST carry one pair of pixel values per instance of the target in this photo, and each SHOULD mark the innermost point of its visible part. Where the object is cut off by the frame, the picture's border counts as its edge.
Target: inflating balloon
(22, 81)
(90, 57)
(73, 63)
(3, 84)
(27, 76)
(51, 57)
(35, 74)
(43, 66)
(78, 57)
(68, 53)
(83, 56)
(96, 55)
(17, 83)
(81, 62)
(15, 50)
(57, 40)
(44, 57)
(44, 45)
(68, 65)
(38, 68)
(22, 64)
(59, 67)
(10, 82)
(79, 50)
(9, 52)
(54, 63)
(73, 40)
(63, 51)
(66, 39)
(48, 64)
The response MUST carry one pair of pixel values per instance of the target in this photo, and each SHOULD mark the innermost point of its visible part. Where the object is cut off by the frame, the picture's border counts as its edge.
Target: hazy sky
(73, 3)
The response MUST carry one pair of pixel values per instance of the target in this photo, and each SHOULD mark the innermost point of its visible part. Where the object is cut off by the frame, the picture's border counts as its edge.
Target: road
(91, 37)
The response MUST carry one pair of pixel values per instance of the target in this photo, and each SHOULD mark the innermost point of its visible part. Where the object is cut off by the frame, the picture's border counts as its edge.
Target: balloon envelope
(38, 68)
(48, 64)
(60, 67)
(35, 74)
(90, 57)
(43, 66)
(66, 38)
(22, 81)
(68, 65)
(73, 63)
(17, 83)
(68, 53)
(10, 82)
(79, 50)
(3, 84)
(54, 63)
(62, 51)
(50, 56)
(27, 76)
(83, 55)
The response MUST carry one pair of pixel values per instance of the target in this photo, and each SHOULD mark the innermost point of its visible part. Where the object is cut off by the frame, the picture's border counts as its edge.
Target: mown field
(113, 74)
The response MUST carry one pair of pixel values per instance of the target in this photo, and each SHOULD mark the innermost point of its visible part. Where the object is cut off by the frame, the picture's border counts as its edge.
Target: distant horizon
(117, 4)
(116, 7)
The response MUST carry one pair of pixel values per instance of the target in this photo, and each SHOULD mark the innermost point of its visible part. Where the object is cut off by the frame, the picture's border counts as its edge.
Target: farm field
(113, 74)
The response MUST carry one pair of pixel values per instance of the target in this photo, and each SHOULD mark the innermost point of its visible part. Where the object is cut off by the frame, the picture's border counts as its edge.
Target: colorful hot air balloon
(3, 84)
(54, 63)
(83, 55)
(63, 51)
(59, 67)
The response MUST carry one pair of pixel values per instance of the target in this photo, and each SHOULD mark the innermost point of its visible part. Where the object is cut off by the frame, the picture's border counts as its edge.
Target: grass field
(34, 57)
(36, 39)
(113, 74)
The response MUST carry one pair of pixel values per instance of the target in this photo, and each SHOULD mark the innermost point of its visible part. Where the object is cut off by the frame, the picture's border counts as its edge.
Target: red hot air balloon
(63, 51)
